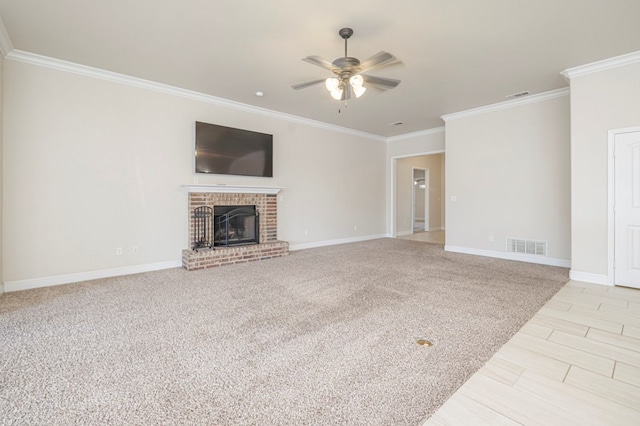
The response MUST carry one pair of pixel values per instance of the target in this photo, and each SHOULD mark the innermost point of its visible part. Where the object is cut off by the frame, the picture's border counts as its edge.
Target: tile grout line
(566, 374)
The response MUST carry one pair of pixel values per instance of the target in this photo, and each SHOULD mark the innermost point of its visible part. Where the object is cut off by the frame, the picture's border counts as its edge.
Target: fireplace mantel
(232, 189)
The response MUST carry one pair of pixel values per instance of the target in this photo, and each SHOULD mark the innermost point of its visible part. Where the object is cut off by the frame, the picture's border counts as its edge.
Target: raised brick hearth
(265, 200)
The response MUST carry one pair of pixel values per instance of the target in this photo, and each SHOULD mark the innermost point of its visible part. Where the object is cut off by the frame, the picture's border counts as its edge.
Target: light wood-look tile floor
(576, 362)
(436, 237)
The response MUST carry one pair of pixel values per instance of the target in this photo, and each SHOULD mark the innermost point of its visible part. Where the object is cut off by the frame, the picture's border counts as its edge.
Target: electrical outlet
(306, 232)
(355, 227)
(490, 237)
(135, 249)
(118, 251)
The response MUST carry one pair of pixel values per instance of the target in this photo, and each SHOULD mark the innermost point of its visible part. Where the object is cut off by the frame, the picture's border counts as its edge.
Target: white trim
(428, 132)
(402, 233)
(510, 256)
(392, 177)
(57, 64)
(610, 206)
(539, 97)
(304, 246)
(605, 64)
(6, 45)
(587, 277)
(232, 189)
(90, 275)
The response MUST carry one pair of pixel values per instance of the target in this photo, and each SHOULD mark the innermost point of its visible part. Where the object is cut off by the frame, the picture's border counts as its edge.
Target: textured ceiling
(455, 54)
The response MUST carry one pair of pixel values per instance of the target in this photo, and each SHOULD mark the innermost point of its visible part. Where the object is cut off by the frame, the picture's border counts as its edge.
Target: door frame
(611, 201)
(393, 178)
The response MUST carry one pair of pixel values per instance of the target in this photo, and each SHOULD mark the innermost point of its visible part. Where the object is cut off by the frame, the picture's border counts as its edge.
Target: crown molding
(606, 64)
(508, 104)
(6, 45)
(71, 67)
(428, 132)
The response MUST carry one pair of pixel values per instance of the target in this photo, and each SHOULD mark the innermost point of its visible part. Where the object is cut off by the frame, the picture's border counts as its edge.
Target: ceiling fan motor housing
(346, 65)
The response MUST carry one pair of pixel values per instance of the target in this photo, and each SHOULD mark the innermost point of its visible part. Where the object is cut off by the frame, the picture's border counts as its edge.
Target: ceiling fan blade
(381, 82)
(378, 60)
(307, 84)
(321, 62)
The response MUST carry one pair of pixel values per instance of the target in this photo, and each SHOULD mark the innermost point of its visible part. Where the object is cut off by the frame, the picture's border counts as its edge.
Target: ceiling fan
(349, 78)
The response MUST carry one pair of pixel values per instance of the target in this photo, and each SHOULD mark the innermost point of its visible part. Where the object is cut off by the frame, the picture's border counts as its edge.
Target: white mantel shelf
(232, 189)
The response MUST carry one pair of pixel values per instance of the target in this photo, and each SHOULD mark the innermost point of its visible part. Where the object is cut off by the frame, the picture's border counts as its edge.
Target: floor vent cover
(528, 247)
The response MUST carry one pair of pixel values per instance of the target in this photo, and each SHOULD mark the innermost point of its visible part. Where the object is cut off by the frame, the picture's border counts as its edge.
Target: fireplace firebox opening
(235, 225)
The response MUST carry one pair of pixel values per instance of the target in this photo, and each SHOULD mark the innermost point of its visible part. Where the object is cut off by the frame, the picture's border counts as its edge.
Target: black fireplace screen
(202, 228)
(235, 225)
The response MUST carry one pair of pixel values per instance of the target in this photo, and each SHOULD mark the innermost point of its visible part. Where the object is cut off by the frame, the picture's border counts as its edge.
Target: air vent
(518, 95)
(528, 247)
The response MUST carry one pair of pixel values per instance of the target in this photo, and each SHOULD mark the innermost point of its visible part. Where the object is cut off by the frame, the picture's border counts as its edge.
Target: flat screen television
(228, 151)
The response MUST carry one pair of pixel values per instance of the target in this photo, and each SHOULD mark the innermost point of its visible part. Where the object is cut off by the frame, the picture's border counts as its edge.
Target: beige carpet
(323, 336)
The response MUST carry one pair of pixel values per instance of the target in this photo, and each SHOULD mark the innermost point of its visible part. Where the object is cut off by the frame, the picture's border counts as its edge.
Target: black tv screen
(228, 151)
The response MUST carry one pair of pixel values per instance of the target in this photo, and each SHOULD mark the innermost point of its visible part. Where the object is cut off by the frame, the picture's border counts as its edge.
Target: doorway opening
(418, 208)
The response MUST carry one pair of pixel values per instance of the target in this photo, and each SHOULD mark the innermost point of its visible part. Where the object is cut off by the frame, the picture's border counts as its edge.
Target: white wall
(405, 187)
(600, 101)
(1, 168)
(91, 165)
(509, 169)
(410, 145)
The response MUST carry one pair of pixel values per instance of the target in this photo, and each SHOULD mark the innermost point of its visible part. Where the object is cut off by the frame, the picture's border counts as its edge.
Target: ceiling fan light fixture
(334, 86)
(356, 82)
(359, 91)
(332, 83)
(336, 93)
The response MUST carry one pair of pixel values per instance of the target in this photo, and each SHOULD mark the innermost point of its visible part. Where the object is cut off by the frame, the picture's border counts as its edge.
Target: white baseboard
(401, 233)
(588, 277)
(510, 256)
(85, 276)
(303, 246)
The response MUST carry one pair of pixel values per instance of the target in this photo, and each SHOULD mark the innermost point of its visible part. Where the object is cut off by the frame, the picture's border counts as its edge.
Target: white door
(627, 209)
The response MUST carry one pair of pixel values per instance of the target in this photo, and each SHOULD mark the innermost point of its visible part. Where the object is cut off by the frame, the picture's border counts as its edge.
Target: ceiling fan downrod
(345, 33)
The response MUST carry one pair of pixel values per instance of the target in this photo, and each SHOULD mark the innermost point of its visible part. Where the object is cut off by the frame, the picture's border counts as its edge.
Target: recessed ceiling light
(259, 94)
(517, 95)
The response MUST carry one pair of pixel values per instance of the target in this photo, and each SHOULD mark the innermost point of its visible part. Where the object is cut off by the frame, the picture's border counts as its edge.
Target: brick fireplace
(265, 201)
